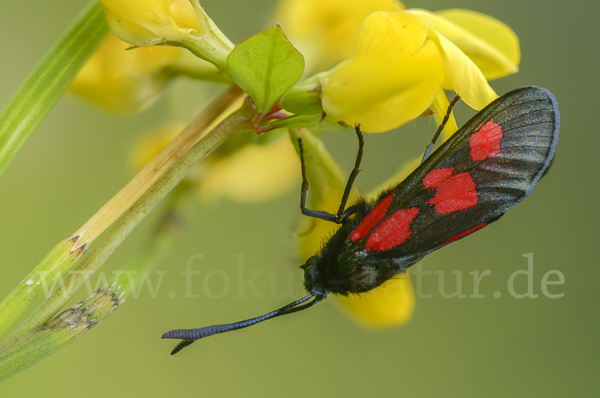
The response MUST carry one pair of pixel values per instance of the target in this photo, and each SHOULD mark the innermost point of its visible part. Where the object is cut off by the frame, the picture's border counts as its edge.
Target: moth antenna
(181, 345)
(188, 336)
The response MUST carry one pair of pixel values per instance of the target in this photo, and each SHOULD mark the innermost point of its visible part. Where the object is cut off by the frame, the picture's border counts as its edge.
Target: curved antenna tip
(181, 345)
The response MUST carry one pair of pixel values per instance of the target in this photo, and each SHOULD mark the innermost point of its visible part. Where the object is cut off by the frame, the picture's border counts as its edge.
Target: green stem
(63, 257)
(197, 69)
(160, 244)
(40, 280)
(236, 122)
(24, 350)
(211, 45)
(56, 334)
(48, 81)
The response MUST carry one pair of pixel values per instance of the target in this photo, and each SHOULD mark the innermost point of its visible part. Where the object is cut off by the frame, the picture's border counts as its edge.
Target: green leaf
(266, 66)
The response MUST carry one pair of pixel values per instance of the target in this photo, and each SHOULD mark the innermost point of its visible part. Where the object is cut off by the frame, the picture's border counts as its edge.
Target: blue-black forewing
(436, 204)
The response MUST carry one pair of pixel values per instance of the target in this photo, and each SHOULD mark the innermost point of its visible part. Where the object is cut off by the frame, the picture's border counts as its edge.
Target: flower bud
(168, 22)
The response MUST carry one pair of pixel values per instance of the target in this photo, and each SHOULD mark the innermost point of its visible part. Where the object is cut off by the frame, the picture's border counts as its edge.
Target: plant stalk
(239, 121)
(48, 81)
(63, 257)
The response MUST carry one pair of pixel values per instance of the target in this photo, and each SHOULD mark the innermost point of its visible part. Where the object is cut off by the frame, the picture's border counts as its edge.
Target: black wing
(489, 165)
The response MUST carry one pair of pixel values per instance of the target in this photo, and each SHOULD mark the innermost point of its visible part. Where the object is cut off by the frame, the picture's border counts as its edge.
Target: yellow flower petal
(140, 22)
(499, 54)
(128, 31)
(390, 305)
(185, 17)
(125, 81)
(464, 76)
(389, 33)
(393, 78)
(253, 173)
(490, 44)
(324, 31)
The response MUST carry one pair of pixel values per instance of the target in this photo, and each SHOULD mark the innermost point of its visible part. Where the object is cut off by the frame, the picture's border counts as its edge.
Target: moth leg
(323, 215)
(342, 213)
(429, 148)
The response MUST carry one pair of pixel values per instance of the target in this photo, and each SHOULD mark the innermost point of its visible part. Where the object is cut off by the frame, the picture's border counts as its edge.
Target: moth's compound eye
(309, 277)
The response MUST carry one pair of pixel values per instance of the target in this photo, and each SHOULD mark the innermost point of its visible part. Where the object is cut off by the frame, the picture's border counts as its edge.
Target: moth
(489, 165)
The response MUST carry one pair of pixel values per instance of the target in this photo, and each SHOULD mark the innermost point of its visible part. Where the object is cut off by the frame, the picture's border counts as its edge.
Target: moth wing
(490, 164)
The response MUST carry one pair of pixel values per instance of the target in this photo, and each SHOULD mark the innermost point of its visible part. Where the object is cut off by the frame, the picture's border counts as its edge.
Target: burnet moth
(489, 165)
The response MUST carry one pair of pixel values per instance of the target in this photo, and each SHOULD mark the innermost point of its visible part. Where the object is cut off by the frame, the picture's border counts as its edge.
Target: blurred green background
(492, 347)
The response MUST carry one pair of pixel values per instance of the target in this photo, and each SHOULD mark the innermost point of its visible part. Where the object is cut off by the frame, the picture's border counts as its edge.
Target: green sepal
(299, 121)
(305, 98)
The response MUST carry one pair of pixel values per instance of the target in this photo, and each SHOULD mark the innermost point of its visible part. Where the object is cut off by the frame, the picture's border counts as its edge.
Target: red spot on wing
(465, 233)
(393, 231)
(485, 143)
(435, 177)
(372, 218)
(454, 193)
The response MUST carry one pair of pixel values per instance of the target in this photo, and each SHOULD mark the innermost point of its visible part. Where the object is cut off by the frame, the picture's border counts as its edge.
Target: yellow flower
(401, 63)
(243, 171)
(393, 77)
(324, 31)
(390, 305)
(396, 74)
(124, 81)
(489, 43)
(254, 173)
(173, 22)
